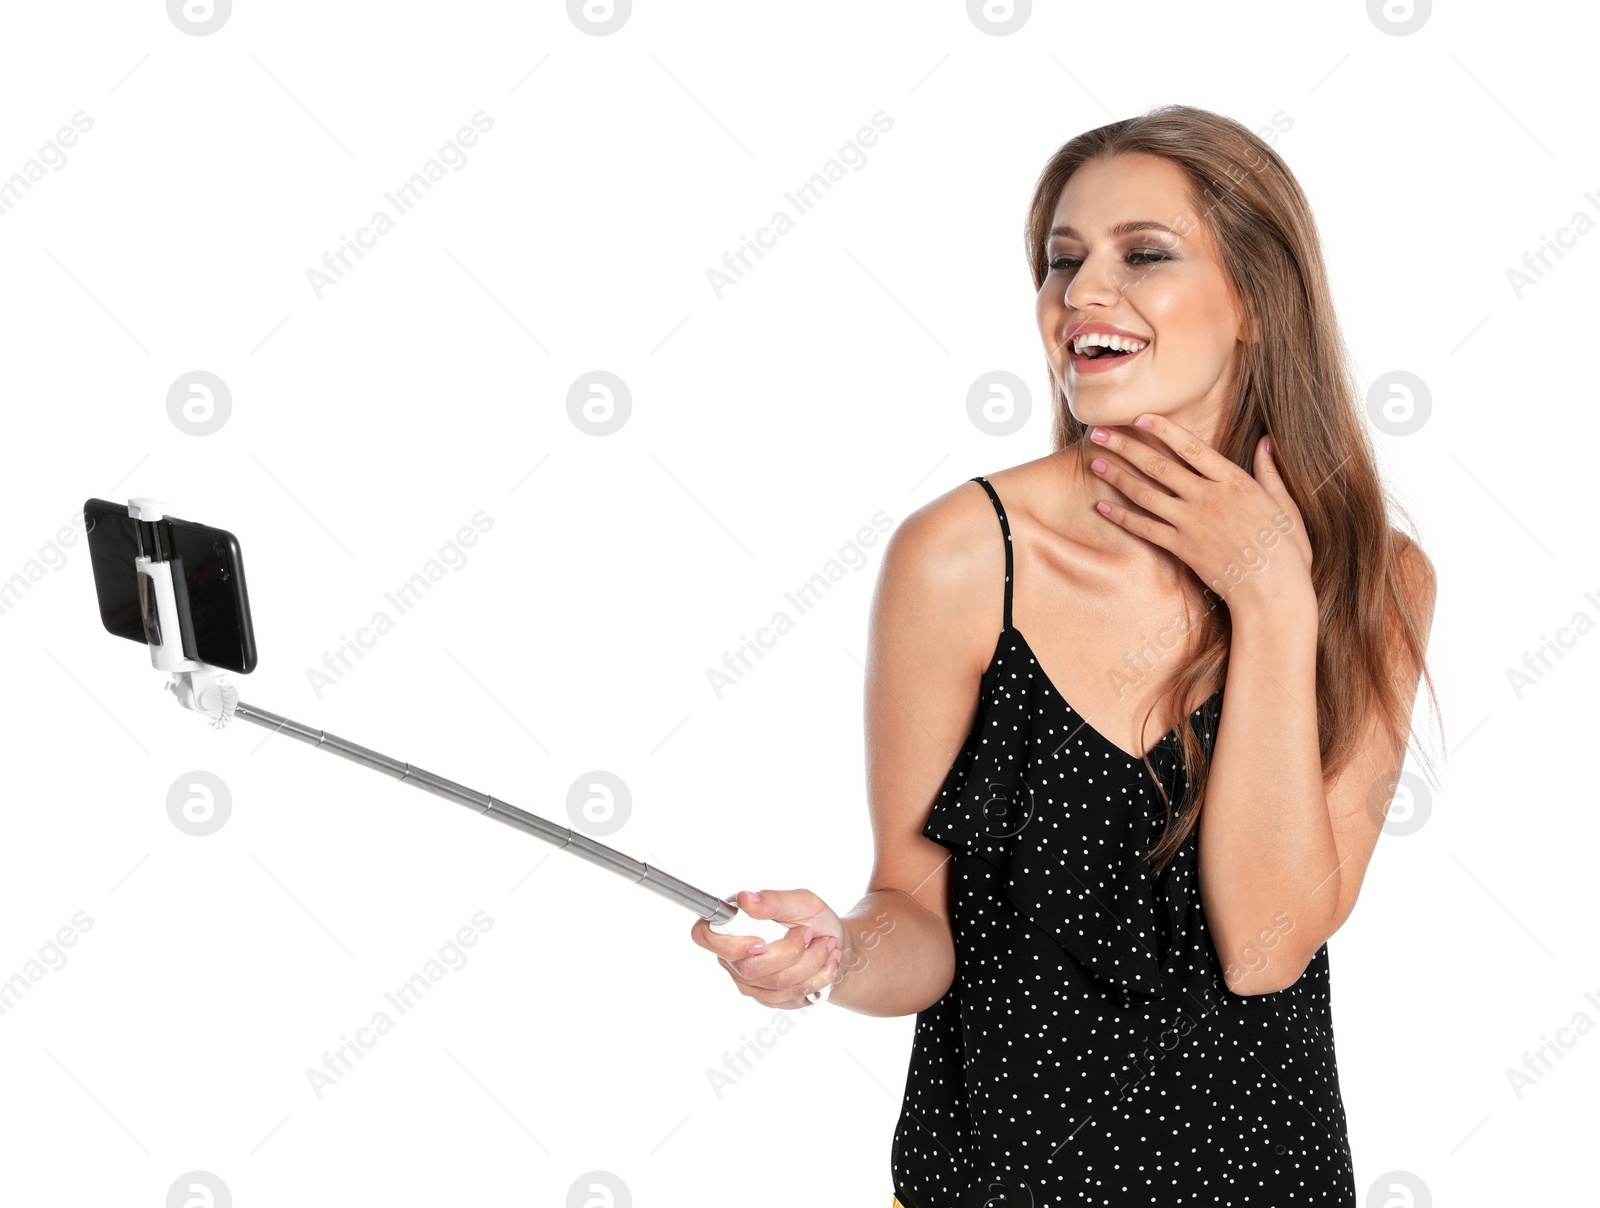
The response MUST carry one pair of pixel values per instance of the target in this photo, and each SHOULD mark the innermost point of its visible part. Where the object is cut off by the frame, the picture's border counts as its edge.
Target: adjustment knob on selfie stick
(768, 930)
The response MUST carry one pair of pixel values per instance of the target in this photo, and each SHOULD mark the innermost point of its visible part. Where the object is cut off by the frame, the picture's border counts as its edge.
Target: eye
(1139, 256)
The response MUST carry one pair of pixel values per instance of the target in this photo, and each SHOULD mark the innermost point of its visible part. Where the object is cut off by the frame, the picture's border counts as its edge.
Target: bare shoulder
(944, 566)
(1417, 586)
(956, 539)
(1416, 574)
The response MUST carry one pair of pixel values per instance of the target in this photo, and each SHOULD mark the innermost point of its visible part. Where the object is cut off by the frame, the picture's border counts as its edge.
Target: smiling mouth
(1095, 359)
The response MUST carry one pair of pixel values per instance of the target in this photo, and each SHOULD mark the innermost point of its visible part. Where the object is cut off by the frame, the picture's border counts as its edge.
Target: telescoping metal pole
(724, 916)
(203, 689)
(706, 905)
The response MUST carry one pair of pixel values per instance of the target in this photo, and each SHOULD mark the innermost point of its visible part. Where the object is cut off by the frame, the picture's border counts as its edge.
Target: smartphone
(208, 583)
(211, 596)
(114, 542)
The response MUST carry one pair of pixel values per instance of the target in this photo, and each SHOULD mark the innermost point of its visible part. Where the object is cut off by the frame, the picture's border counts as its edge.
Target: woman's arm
(1281, 852)
(1283, 856)
(899, 957)
(936, 616)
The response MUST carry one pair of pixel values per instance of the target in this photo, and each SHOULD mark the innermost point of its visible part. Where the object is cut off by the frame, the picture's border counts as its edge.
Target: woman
(1116, 948)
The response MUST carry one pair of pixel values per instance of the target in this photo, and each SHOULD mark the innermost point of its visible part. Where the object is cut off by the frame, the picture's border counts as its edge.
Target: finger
(793, 908)
(794, 995)
(1266, 471)
(751, 906)
(1271, 480)
(1154, 462)
(779, 955)
(808, 964)
(728, 947)
(832, 970)
(1201, 457)
(785, 905)
(1154, 531)
(1135, 488)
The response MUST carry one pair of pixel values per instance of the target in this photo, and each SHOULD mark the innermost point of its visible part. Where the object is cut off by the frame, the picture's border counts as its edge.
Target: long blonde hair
(1295, 381)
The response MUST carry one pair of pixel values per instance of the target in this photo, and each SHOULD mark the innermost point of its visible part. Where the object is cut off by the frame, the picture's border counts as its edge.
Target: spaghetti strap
(1005, 528)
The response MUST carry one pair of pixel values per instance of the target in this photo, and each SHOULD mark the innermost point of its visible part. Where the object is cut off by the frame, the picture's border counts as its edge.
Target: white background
(767, 427)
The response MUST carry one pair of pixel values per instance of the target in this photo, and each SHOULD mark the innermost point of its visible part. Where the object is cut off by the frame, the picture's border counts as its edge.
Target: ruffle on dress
(1073, 866)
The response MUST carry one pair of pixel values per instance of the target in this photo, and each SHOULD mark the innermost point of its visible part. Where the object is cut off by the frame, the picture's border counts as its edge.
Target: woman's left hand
(1242, 535)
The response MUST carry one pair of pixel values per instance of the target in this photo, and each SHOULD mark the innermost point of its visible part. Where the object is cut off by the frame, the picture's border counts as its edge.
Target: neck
(1107, 534)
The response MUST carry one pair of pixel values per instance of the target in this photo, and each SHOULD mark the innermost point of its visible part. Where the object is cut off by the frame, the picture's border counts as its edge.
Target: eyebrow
(1122, 228)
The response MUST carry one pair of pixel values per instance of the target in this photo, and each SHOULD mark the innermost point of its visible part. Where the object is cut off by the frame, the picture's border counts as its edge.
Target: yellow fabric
(897, 1203)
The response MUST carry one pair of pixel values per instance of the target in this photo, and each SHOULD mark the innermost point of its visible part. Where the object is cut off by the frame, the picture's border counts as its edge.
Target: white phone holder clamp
(196, 685)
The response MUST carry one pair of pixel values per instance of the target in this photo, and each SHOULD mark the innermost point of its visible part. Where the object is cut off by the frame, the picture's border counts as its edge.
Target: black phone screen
(212, 607)
(113, 546)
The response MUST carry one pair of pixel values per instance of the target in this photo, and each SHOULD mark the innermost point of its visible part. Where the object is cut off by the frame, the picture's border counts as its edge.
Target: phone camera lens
(224, 574)
(217, 549)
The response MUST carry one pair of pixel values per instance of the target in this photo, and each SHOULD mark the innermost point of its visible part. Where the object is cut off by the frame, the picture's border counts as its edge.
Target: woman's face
(1160, 284)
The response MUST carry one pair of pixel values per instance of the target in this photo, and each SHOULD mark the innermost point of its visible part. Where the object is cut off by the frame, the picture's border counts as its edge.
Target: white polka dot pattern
(1088, 1051)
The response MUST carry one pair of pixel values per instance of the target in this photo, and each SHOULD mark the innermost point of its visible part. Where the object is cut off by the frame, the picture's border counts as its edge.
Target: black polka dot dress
(1088, 1051)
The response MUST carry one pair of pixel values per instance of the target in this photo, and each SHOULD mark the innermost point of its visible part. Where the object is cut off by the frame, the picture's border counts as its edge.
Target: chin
(1111, 413)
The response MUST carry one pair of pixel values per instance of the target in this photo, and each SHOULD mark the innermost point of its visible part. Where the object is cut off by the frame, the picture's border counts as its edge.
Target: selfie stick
(204, 689)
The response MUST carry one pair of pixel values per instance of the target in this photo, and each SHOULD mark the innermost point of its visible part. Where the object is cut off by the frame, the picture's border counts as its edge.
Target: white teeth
(1118, 343)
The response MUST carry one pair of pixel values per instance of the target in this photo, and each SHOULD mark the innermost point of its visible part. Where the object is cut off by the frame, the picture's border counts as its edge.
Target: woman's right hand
(781, 973)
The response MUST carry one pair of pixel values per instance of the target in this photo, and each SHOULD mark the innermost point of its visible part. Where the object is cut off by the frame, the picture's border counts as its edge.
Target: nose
(1096, 283)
